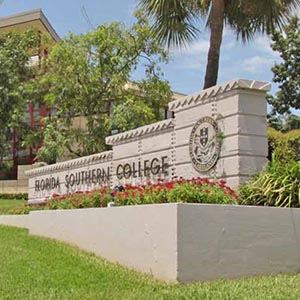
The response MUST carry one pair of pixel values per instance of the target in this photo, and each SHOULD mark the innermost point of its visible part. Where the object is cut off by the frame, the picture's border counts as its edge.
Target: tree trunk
(216, 32)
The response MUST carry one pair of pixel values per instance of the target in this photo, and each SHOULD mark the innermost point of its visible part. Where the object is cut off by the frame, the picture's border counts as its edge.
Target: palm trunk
(216, 27)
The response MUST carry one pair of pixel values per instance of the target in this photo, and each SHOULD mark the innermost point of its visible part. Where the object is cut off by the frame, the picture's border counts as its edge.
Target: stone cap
(82, 161)
(140, 131)
(214, 91)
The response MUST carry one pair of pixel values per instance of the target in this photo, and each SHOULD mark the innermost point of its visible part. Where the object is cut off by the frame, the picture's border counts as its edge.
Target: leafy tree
(15, 73)
(292, 123)
(284, 123)
(175, 22)
(287, 72)
(88, 86)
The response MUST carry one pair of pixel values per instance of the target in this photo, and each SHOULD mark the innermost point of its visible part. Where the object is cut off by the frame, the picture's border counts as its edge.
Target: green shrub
(278, 185)
(287, 145)
(25, 209)
(196, 190)
(205, 193)
(21, 210)
(16, 196)
(97, 198)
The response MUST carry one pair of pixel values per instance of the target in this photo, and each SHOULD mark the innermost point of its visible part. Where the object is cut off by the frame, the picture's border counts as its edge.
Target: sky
(186, 70)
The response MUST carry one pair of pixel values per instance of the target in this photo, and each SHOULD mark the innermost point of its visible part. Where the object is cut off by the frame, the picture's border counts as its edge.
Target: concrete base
(21, 221)
(179, 242)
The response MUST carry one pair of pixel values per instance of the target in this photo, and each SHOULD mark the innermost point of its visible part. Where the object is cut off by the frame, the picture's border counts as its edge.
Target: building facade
(31, 20)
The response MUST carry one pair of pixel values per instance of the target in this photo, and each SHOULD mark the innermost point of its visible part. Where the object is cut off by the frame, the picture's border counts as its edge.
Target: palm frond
(247, 17)
(174, 21)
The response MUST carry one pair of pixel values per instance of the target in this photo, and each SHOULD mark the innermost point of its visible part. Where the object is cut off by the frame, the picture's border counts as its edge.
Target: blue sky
(186, 70)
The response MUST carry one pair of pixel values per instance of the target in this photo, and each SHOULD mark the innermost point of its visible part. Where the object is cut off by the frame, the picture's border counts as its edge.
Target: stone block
(244, 125)
(156, 143)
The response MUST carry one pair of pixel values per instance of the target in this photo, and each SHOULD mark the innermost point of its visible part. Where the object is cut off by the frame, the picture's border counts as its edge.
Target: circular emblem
(204, 144)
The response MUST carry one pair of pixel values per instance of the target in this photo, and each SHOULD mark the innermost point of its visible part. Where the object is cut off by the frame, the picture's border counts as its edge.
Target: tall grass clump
(278, 185)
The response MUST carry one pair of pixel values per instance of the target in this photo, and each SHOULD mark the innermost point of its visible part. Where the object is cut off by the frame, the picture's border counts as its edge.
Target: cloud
(193, 62)
(199, 47)
(257, 64)
(196, 48)
(263, 43)
(255, 57)
(191, 57)
(228, 45)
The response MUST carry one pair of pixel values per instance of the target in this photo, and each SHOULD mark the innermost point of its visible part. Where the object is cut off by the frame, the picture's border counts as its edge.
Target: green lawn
(7, 205)
(36, 268)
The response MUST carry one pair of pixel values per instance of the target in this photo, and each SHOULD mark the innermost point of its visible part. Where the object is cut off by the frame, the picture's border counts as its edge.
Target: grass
(36, 268)
(7, 205)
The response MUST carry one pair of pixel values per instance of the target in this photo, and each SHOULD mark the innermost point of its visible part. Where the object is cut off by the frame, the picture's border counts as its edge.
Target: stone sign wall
(82, 174)
(217, 133)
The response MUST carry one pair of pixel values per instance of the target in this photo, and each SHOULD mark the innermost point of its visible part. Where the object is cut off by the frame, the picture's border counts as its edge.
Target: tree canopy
(287, 72)
(15, 75)
(87, 83)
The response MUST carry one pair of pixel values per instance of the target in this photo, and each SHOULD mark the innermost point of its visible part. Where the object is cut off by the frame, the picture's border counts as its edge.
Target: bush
(188, 191)
(196, 190)
(17, 196)
(24, 209)
(287, 145)
(97, 198)
(278, 185)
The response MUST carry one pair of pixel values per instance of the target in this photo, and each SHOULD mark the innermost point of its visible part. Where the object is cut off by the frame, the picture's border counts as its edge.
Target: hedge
(15, 196)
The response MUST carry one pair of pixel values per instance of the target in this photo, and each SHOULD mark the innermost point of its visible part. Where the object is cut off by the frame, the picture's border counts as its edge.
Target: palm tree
(175, 22)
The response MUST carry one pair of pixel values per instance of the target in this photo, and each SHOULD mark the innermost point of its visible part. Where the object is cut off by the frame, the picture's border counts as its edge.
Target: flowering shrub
(97, 198)
(195, 190)
(25, 209)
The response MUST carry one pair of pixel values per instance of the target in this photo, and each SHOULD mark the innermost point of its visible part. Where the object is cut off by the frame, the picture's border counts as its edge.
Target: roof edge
(27, 16)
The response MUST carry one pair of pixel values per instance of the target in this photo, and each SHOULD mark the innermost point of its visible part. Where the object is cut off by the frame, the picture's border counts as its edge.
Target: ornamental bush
(278, 185)
(287, 145)
(195, 190)
(97, 198)
(15, 196)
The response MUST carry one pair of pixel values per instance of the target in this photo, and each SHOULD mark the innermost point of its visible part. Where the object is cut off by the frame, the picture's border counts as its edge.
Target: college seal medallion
(204, 144)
